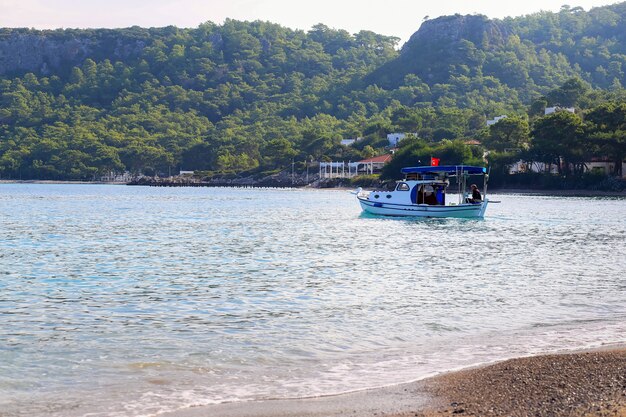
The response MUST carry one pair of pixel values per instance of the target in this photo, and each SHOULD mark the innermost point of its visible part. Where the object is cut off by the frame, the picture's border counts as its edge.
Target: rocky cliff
(48, 52)
(440, 43)
(447, 30)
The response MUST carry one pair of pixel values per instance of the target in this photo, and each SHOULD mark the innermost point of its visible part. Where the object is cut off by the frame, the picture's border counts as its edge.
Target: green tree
(568, 94)
(278, 153)
(510, 133)
(608, 131)
(558, 139)
(368, 152)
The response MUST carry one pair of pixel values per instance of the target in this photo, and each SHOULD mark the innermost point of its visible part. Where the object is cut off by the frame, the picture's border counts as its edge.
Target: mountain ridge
(245, 96)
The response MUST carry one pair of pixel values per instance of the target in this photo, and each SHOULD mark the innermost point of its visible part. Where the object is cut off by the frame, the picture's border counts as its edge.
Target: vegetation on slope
(255, 96)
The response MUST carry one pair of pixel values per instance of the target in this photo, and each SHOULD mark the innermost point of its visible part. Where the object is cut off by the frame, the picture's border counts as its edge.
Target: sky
(400, 18)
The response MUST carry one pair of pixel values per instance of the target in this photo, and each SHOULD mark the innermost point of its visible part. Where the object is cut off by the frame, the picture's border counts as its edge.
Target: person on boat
(431, 195)
(440, 196)
(476, 196)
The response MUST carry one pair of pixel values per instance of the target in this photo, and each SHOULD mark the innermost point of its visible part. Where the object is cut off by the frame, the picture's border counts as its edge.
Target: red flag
(434, 162)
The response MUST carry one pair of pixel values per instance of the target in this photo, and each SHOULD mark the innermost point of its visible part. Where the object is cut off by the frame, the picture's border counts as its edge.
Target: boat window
(403, 186)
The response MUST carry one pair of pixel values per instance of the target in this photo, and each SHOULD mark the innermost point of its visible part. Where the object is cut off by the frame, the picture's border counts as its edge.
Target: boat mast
(458, 184)
(464, 177)
(485, 179)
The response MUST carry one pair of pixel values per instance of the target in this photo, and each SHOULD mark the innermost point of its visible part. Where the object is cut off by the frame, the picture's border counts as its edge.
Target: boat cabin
(432, 192)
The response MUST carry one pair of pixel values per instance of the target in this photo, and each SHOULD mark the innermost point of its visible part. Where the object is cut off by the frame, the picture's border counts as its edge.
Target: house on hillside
(550, 110)
(496, 120)
(348, 142)
(372, 165)
(394, 138)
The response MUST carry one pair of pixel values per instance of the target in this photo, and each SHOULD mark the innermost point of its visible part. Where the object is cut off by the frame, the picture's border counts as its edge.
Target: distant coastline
(559, 192)
(59, 182)
(529, 191)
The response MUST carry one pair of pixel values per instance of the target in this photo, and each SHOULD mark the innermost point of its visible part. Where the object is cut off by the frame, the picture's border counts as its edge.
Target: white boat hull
(423, 210)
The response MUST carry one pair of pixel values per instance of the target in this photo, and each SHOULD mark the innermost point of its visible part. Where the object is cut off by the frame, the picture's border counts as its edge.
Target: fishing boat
(423, 193)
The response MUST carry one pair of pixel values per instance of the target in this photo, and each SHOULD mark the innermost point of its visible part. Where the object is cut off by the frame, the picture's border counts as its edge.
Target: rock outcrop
(439, 44)
(52, 52)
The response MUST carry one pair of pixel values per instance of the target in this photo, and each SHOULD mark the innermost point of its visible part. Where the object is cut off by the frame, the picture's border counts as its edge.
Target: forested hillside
(255, 96)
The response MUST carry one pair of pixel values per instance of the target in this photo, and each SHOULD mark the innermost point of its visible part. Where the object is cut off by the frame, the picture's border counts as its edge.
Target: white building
(603, 167)
(394, 138)
(521, 167)
(348, 142)
(117, 177)
(599, 166)
(495, 120)
(550, 110)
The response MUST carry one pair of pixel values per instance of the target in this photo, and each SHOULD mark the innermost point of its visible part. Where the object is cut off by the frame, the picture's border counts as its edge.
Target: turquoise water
(131, 301)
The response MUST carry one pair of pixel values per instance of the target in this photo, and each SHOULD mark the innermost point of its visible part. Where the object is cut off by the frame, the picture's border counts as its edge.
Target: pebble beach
(575, 384)
(591, 383)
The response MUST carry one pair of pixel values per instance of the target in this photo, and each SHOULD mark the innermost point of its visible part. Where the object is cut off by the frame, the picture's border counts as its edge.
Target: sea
(124, 301)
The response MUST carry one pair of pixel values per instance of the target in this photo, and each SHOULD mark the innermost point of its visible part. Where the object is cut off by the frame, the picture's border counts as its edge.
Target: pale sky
(399, 18)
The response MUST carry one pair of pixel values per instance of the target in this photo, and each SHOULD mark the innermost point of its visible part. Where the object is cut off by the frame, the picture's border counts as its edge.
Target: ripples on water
(123, 301)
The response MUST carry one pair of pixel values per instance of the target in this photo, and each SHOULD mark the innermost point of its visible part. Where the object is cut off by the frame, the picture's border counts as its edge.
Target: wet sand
(574, 384)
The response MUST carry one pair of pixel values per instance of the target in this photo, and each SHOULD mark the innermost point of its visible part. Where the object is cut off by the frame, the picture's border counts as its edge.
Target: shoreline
(505, 191)
(558, 193)
(61, 182)
(590, 382)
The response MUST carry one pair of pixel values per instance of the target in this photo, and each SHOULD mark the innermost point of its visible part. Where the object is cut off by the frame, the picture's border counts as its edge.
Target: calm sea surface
(130, 301)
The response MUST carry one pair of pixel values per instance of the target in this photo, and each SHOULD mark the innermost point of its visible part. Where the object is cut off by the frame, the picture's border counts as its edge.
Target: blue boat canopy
(446, 169)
